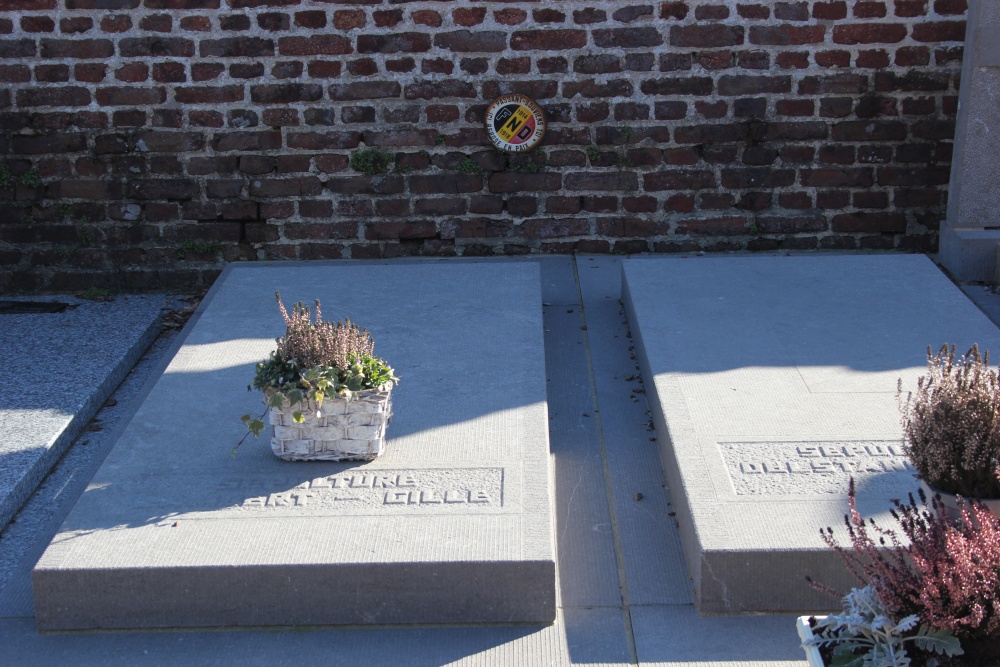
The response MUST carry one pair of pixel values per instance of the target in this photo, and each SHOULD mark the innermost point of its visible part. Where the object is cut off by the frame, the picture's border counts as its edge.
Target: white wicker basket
(344, 430)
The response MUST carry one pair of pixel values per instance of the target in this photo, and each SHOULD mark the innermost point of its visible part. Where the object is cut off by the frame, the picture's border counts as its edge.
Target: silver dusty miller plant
(864, 635)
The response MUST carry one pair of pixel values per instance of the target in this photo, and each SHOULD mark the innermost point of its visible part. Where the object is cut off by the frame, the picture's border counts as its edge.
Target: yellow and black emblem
(515, 123)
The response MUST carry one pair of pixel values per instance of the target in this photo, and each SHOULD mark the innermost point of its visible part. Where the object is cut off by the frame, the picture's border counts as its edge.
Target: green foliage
(371, 161)
(865, 635)
(31, 179)
(316, 360)
(96, 294)
(66, 210)
(439, 139)
(593, 154)
(6, 180)
(199, 247)
(468, 166)
(623, 161)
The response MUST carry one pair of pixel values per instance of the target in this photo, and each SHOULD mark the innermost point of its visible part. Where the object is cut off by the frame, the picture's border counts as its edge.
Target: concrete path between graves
(624, 595)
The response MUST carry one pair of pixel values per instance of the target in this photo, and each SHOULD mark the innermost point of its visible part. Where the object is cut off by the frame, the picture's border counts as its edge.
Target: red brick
(310, 19)
(273, 21)
(74, 25)
(61, 96)
(90, 72)
(549, 15)
(429, 90)
(400, 42)
(673, 10)
(830, 11)
(469, 17)
(467, 41)
(628, 38)
(236, 47)
(589, 15)
(129, 96)
(116, 23)
(286, 93)
(156, 46)
(156, 23)
(169, 72)
(911, 8)
(753, 11)
(426, 17)
(196, 23)
(939, 31)
(316, 45)
(706, 36)
(547, 40)
(16, 73)
(951, 7)
(784, 35)
(323, 140)
(132, 72)
(869, 33)
(864, 9)
(208, 94)
(348, 19)
(387, 18)
(711, 12)
(37, 24)
(791, 11)
(77, 48)
(875, 59)
(883, 223)
(510, 16)
(720, 226)
(679, 179)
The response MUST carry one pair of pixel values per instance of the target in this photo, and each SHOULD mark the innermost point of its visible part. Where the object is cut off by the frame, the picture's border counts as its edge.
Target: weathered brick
(236, 47)
(628, 38)
(315, 45)
(76, 48)
(882, 223)
(547, 40)
(678, 86)
(784, 35)
(469, 17)
(323, 140)
(75, 24)
(757, 177)
(866, 9)
(144, 47)
(131, 95)
(679, 179)
(706, 36)
(274, 21)
(939, 31)
(749, 85)
(833, 84)
(286, 93)
(402, 42)
(174, 189)
(673, 10)
(468, 41)
(869, 33)
(717, 226)
(428, 90)
(208, 94)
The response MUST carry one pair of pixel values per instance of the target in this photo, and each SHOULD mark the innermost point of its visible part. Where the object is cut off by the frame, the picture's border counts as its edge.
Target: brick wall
(144, 142)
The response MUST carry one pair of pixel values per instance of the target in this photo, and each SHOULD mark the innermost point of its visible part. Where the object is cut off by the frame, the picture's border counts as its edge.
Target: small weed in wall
(468, 166)
(31, 179)
(6, 180)
(371, 161)
(199, 247)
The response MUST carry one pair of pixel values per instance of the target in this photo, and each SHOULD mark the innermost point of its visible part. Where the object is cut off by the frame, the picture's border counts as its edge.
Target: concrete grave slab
(452, 525)
(56, 370)
(772, 381)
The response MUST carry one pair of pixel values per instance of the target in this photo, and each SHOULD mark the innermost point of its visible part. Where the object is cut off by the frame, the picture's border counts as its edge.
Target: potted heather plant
(952, 427)
(932, 593)
(328, 396)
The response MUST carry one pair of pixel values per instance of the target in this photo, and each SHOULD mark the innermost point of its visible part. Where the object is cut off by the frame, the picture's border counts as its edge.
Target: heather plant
(952, 424)
(944, 572)
(315, 360)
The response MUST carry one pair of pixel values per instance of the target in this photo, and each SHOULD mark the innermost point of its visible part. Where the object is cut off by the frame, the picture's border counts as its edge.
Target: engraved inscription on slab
(816, 467)
(367, 491)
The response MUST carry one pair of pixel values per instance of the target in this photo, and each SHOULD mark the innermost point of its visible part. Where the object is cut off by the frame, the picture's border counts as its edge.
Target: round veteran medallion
(515, 123)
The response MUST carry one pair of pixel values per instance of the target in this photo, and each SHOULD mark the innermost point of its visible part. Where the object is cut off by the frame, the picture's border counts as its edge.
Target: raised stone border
(772, 381)
(451, 525)
(56, 371)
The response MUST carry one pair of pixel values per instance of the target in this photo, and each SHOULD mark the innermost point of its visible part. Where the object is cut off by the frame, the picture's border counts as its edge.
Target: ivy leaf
(255, 426)
(297, 417)
(277, 400)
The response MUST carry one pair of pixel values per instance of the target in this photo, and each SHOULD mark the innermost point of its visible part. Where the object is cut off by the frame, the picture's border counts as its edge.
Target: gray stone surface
(604, 611)
(772, 381)
(174, 532)
(56, 370)
(970, 234)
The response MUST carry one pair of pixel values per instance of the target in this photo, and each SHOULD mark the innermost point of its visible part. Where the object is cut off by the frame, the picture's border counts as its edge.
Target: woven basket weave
(345, 430)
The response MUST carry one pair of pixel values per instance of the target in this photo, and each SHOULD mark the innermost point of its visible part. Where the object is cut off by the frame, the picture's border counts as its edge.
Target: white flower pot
(339, 430)
(805, 634)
